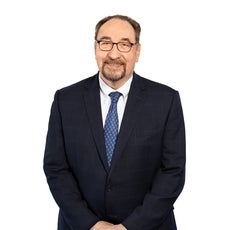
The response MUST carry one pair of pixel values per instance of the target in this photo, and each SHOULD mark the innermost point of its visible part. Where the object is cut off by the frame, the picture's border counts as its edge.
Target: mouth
(114, 65)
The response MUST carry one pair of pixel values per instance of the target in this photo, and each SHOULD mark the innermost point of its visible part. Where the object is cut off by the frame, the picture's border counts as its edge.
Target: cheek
(131, 63)
(99, 60)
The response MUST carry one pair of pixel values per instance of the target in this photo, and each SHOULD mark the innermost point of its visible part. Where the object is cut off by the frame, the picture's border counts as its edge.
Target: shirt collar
(124, 89)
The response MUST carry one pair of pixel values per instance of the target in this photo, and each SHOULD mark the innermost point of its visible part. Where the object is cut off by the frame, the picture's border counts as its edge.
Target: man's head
(117, 48)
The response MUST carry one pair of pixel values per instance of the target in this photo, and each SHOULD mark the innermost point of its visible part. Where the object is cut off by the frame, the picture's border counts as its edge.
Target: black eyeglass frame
(117, 45)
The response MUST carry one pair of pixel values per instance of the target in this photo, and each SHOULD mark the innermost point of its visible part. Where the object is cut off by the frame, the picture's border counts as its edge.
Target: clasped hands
(103, 225)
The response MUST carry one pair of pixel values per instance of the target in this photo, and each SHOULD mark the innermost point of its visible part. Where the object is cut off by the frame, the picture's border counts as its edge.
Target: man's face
(114, 65)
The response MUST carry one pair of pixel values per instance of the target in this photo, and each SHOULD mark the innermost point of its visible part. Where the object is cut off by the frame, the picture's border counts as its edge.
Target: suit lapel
(93, 107)
(131, 114)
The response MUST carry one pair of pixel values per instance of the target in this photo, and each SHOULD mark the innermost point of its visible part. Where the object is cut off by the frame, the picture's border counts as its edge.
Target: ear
(95, 48)
(138, 51)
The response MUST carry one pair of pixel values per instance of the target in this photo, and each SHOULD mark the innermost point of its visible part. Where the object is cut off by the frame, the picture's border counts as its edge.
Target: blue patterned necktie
(111, 126)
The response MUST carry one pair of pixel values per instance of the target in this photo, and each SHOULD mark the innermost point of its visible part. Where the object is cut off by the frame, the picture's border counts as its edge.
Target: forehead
(117, 29)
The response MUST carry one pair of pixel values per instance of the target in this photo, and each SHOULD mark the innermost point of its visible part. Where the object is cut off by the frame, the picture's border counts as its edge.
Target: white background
(46, 45)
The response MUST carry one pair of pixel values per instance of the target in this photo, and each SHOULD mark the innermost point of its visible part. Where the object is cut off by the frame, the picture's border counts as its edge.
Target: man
(134, 184)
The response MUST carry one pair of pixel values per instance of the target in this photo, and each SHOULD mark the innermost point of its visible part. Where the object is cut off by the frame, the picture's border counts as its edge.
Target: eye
(106, 43)
(124, 44)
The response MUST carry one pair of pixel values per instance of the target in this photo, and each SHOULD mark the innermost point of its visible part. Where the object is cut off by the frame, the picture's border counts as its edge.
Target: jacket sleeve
(63, 185)
(170, 178)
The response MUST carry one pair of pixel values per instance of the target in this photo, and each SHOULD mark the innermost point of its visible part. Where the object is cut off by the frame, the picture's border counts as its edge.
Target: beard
(112, 74)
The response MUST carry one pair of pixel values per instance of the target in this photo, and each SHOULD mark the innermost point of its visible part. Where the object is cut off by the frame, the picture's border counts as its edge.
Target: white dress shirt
(105, 90)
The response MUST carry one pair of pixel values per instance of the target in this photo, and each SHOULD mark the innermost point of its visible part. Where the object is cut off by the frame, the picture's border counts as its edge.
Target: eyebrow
(105, 38)
(109, 38)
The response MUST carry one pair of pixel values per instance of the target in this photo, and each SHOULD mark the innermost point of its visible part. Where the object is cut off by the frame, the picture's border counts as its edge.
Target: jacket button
(108, 188)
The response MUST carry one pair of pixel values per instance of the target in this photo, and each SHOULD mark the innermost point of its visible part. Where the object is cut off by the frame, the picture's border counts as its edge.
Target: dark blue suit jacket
(148, 167)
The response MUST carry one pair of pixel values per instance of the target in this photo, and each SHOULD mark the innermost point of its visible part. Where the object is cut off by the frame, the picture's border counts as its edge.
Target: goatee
(113, 75)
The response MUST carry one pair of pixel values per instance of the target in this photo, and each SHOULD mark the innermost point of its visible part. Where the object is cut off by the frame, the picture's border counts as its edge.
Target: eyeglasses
(123, 47)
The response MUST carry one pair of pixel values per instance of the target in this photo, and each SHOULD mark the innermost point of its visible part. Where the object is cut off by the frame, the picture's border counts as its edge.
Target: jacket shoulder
(153, 86)
(79, 85)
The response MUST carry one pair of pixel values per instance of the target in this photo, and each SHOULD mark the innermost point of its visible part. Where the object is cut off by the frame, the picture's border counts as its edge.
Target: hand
(103, 225)
(119, 227)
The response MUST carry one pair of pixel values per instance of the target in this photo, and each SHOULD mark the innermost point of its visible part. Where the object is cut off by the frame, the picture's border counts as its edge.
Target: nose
(114, 52)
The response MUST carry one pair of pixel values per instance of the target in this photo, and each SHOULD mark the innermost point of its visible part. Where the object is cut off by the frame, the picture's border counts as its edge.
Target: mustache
(111, 61)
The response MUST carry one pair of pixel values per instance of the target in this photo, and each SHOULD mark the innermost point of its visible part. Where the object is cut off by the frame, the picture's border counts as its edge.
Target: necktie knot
(114, 97)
